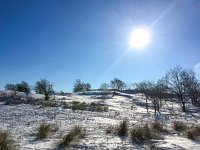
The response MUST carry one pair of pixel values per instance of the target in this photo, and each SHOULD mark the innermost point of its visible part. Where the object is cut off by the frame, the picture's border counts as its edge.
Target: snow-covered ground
(23, 120)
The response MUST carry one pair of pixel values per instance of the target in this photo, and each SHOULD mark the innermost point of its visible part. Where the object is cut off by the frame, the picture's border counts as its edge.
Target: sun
(140, 38)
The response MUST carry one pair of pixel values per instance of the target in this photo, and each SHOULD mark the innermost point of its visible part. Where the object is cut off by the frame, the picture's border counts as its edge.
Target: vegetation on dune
(49, 104)
(81, 86)
(179, 126)
(193, 133)
(44, 130)
(178, 84)
(88, 106)
(123, 128)
(74, 135)
(20, 87)
(117, 84)
(44, 87)
(143, 134)
(6, 142)
(157, 127)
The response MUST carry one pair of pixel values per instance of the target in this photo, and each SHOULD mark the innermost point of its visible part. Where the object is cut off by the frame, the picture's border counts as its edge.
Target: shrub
(76, 134)
(44, 87)
(157, 126)
(6, 142)
(193, 133)
(88, 106)
(44, 130)
(97, 107)
(49, 104)
(141, 134)
(190, 134)
(179, 126)
(123, 128)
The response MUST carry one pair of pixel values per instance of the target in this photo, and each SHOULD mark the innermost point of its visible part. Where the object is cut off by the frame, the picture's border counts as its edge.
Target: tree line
(178, 83)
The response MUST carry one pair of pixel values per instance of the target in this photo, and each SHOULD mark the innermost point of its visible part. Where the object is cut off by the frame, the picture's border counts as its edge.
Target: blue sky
(64, 40)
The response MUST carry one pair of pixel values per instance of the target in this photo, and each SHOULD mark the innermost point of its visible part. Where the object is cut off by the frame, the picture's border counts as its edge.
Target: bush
(141, 134)
(76, 134)
(49, 104)
(179, 126)
(88, 106)
(44, 87)
(65, 105)
(44, 130)
(6, 142)
(193, 133)
(97, 107)
(123, 128)
(157, 126)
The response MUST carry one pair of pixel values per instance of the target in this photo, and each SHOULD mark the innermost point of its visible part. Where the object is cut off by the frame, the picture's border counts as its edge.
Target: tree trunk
(183, 105)
(155, 110)
(147, 105)
(46, 97)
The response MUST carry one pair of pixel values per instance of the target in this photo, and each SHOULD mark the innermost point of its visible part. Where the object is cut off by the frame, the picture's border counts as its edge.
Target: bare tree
(193, 89)
(81, 86)
(44, 87)
(104, 87)
(11, 87)
(157, 93)
(117, 84)
(23, 87)
(177, 82)
(144, 88)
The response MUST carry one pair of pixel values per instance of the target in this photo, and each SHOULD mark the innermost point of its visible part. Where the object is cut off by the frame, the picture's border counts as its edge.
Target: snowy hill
(23, 120)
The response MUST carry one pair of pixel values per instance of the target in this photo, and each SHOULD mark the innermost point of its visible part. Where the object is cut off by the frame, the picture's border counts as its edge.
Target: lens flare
(139, 38)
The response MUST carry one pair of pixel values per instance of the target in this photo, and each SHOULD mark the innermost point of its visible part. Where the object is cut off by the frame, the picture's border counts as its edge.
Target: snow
(23, 120)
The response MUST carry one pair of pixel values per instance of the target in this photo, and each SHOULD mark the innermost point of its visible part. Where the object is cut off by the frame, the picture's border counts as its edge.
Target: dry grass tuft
(179, 126)
(6, 142)
(75, 135)
(142, 134)
(44, 130)
(193, 133)
(123, 128)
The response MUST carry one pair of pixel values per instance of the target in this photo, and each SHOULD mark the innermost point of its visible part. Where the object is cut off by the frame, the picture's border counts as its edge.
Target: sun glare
(139, 38)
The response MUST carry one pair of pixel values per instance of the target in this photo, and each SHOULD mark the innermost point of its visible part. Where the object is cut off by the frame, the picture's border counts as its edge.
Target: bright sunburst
(139, 38)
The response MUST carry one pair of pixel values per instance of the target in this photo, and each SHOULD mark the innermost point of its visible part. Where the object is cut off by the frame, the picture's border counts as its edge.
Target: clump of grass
(97, 107)
(110, 129)
(123, 128)
(44, 130)
(179, 126)
(79, 106)
(49, 104)
(157, 126)
(193, 133)
(65, 105)
(75, 135)
(88, 106)
(141, 134)
(6, 142)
